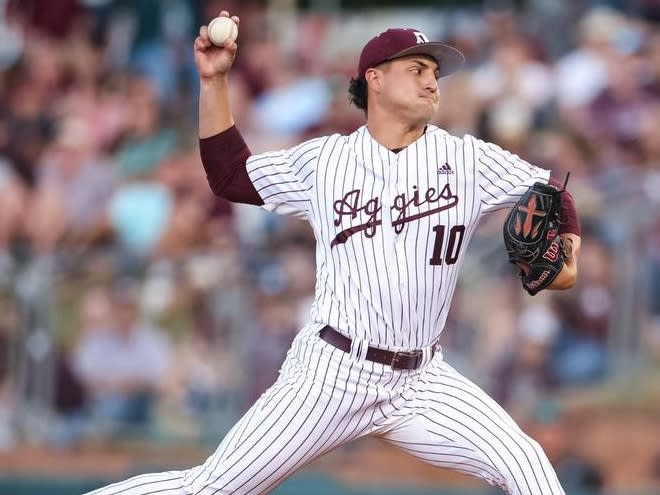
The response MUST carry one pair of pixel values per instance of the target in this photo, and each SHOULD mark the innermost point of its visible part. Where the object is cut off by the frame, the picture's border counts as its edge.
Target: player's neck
(394, 135)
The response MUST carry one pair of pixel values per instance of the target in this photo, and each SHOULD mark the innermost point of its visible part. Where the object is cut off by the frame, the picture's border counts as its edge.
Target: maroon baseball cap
(395, 43)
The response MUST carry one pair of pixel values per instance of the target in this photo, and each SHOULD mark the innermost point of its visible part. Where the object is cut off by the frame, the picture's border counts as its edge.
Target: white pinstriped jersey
(391, 228)
(391, 233)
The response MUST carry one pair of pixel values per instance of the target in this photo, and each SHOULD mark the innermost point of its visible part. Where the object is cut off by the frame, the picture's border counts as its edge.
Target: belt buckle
(401, 354)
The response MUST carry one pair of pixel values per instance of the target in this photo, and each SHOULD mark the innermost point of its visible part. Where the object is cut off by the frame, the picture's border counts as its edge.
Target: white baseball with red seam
(222, 28)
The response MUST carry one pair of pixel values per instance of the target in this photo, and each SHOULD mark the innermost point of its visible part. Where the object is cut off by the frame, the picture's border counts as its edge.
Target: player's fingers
(224, 13)
(201, 44)
(230, 45)
(204, 35)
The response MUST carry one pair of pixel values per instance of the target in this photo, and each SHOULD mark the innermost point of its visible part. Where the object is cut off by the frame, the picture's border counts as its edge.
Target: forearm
(215, 115)
(568, 275)
(569, 231)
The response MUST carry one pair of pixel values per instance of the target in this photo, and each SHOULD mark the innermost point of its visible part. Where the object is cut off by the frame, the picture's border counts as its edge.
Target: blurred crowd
(146, 297)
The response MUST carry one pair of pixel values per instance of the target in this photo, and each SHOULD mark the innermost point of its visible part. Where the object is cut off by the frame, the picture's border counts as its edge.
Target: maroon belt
(401, 360)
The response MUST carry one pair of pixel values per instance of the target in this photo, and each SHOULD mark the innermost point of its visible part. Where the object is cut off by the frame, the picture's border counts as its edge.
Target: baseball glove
(531, 237)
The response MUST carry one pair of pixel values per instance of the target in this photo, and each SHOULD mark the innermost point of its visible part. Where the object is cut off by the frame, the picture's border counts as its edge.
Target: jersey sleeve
(503, 177)
(285, 179)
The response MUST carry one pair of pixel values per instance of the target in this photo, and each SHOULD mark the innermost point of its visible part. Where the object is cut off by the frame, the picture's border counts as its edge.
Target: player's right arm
(279, 181)
(222, 148)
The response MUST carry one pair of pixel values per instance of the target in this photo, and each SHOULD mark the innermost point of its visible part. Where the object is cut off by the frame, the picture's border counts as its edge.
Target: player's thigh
(294, 422)
(454, 424)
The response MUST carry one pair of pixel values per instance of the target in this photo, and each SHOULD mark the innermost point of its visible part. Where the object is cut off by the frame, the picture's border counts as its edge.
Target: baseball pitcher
(393, 206)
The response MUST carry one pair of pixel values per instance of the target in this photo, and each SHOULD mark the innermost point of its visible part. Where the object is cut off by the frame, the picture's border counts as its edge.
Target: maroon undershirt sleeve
(569, 220)
(224, 157)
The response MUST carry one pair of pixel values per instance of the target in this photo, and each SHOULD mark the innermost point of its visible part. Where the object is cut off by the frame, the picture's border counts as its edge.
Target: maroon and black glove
(531, 237)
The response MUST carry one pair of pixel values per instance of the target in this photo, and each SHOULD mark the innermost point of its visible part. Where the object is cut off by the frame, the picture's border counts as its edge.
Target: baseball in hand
(220, 29)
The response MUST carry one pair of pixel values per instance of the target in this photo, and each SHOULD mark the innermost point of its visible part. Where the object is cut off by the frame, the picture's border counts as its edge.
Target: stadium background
(139, 316)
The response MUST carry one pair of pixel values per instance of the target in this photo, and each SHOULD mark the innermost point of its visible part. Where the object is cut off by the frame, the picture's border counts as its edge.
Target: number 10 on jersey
(454, 243)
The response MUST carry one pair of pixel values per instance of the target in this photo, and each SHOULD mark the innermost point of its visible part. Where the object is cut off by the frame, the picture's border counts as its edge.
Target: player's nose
(430, 82)
(431, 85)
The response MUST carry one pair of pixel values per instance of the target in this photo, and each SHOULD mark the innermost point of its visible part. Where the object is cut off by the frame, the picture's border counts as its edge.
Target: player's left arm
(504, 177)
(569, 231)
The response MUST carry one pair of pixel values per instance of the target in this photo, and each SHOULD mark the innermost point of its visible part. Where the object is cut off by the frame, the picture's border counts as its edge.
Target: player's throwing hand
(214, 61)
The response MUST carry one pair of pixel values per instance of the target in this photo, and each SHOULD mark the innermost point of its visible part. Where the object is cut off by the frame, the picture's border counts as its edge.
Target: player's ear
(374, 79)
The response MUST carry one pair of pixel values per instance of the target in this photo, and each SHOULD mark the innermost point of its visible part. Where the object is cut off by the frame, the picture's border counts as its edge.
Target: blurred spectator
(52, 18)
(12, 208)
(74, 188)
(7, 391)
(583, 72)
(141, 206)
(276, 326)
(121, 361)
(514, 86)
(459, 112)
(580, 352)
(292, 106)
(70, 423)
(161, 42)
(197, 215)
(204, 375)
(458, 339)
(615, 115)
(147, 141)
(577, 474)
(524, 374)
(139, 213)
(651, 339)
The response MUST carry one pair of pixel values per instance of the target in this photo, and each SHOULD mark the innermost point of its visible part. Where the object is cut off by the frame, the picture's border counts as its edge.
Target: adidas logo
(445, 169)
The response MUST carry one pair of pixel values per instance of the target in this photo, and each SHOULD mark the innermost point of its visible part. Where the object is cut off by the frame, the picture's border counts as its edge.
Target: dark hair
(357, 91)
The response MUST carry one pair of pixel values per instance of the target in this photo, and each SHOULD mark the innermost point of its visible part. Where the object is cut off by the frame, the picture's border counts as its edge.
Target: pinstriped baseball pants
(325, 398)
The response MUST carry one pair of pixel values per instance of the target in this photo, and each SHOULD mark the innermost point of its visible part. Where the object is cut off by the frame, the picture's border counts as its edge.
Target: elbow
(226, 193)
(240, 190)
(217, 189)
(224, 157)
(224, 187)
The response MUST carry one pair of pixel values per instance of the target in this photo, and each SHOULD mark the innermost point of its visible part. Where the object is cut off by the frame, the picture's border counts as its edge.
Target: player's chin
(428, 108)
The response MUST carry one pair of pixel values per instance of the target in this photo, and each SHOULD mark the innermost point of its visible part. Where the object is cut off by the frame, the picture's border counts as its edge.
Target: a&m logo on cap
(421, 37)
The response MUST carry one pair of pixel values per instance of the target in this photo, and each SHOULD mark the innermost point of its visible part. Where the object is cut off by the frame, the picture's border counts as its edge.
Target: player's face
(409, 87)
